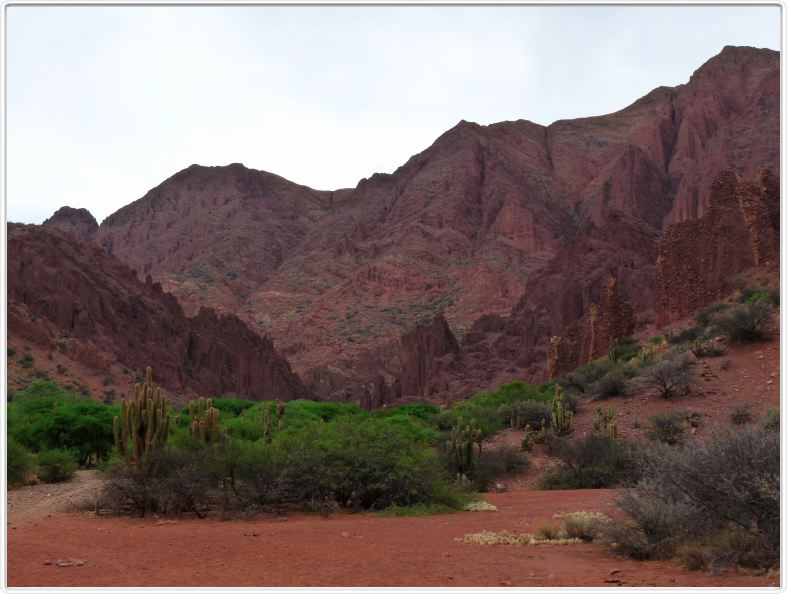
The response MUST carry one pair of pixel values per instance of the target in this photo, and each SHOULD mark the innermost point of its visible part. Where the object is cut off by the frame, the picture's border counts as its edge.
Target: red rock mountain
(536, 244)
(700, 260)
(77, 221)
(59, 287)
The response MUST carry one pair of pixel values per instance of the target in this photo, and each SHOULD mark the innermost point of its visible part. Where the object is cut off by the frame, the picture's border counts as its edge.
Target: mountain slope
(62, 290)
(489, 219)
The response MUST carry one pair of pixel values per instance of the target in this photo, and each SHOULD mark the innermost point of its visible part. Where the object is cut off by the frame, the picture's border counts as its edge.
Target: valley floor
(342, 550)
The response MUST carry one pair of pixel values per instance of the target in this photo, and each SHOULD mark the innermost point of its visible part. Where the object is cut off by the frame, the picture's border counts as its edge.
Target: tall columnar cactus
(605, 423)
(205, 421)
(266, 425)
(562, 415)
(528, 438)
(143, 425)
(280, 416)
(460, 446)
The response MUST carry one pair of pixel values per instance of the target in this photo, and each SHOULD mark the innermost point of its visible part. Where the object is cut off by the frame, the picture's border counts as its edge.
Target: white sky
(105, 103)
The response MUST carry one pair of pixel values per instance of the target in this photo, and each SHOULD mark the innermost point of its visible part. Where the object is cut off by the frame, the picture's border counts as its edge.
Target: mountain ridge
(460, 229)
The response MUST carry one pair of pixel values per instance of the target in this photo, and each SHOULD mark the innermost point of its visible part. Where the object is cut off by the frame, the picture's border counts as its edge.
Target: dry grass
(480, 506)
(491, 539)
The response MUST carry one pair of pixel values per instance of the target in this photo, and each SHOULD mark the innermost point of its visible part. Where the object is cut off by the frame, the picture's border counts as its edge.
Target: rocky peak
(76, 221)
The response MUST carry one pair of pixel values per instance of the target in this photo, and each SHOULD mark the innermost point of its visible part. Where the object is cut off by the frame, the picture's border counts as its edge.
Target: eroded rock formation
(700, 261)
(60, 287)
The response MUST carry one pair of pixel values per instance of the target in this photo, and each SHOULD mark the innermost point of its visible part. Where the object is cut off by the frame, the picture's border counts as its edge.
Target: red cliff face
(699, 260)
(86, 294)
(512, 230)
(77, 221)
(427, 351)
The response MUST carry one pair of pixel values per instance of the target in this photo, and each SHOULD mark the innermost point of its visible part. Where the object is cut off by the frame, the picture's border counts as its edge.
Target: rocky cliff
(63, 290)
(511, 231)
(76, 221)
(701, 260)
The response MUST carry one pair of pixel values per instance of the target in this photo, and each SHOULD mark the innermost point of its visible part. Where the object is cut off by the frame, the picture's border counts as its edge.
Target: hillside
(511, 232)
(76, 300)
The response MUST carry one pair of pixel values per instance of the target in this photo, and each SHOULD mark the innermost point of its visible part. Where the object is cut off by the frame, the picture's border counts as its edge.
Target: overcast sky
(105, 103)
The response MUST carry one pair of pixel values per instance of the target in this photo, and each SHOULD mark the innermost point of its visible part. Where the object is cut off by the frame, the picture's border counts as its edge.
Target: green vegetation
(46, 417)
(667, 427)
(55, 466)
(590, 462)
(20, 463)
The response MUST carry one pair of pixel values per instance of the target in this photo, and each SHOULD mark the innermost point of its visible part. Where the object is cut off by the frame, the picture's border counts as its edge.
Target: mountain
(512, 229)
(67, 294)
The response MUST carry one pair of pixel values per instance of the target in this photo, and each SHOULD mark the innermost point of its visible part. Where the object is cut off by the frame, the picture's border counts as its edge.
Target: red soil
(343, 550)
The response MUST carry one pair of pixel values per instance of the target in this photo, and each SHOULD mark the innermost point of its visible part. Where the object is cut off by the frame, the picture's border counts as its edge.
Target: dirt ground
(79, 549)
(48, 545)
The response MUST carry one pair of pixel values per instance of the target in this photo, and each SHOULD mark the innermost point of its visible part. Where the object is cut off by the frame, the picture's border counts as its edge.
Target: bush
(11, 352)
(705, 315)
(584, 525)
(85, 428)
(745, 324)
(624, 349)
(56, 466)
(722, 494)
(528, 412)
(671, 375)
(768, 295)
(770, 420)
(741, 415)
(666, 427)
(366, 462)
(20, 463)
(585, 375)
(590, 462)
(493, 464)
(27, 361)
(689, 334)
(614, 383)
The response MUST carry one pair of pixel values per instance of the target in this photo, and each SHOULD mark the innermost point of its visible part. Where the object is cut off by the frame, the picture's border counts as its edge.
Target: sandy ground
(342, 550)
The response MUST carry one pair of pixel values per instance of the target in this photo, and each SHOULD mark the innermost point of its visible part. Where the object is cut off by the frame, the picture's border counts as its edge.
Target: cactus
(280, 416)
(460, 446)
(205, 421)
(143, 425)
(266, 424)
(528, 438)
(562, 415)
(605, 424)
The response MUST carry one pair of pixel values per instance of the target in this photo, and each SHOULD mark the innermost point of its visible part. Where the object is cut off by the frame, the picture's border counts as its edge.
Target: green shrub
(84, 427)
(364, 461)
(491, 465)
(689, 334)
(11, 352)
(705, 315)
(56, 466)
(770, 420)
(420, 410)
(624, 349)
(616, 382)
(671, 375)
(745, 324)
(666, 427)
(27, 361)
(20, 463)
(590, 462)
(768, 295)
(584, 376)
(527, 412)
